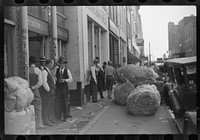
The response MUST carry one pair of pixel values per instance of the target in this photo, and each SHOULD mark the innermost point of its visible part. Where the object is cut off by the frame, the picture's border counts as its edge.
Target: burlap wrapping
(20, 123)
(17, 94)
(143, 101)
(121, 92)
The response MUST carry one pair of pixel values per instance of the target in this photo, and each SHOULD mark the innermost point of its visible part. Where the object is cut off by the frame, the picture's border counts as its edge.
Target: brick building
(80, 33)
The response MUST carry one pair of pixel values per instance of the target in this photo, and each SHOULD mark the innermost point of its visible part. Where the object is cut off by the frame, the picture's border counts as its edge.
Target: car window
(191, 75)
(179, 76)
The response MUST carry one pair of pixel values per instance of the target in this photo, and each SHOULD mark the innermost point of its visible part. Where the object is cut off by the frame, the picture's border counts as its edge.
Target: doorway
(37, 45)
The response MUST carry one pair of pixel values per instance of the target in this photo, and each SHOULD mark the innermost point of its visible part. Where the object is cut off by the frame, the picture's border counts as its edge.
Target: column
(93, 49)
(100, 45)
(54, 22)
(25, 47)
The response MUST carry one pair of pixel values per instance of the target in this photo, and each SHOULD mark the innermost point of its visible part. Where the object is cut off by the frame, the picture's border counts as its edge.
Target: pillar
(93, 47)
(25, 46)
(100, 45)
(54, 26)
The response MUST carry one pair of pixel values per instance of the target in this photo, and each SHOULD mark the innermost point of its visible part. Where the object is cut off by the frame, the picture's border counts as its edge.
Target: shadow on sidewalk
(81, 116)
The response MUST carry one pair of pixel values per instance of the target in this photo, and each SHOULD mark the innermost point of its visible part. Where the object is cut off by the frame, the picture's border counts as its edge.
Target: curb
(90, 124)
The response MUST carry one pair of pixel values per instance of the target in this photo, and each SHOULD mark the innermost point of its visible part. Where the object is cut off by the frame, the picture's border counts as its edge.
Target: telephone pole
(149, 53)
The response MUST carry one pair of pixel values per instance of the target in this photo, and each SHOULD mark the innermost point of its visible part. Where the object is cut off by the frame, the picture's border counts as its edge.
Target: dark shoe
(49, 124)
(110, 98)
(42, 127)
(102, 97)
(55, 121)
(69, 116)
(95, 101)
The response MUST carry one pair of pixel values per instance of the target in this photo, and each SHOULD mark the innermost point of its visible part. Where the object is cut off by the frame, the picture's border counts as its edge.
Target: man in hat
(35, 77)
(47, 92)
(62, 100)
(93, 81)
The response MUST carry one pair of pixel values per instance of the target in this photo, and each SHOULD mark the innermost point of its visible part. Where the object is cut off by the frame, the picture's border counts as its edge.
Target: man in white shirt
(35, 79)
(62, 99)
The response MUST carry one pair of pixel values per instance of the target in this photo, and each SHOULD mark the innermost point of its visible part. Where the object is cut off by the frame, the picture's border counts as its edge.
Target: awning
(131, 58)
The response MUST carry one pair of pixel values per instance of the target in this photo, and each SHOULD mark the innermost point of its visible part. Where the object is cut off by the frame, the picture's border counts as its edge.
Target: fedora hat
(43, 59)
(33, 59)
(62, 60)
(95, 61)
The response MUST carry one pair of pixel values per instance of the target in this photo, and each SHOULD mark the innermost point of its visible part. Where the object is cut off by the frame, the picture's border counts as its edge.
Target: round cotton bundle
(121, 92)
(138, 75)
(143, 101)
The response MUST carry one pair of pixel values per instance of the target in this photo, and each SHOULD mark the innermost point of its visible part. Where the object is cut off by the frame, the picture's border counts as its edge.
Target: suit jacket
(64, 75)
(48, 95)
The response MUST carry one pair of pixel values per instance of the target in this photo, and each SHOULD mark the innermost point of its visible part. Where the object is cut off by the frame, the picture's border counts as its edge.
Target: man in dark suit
(62, 97)
(47, 92)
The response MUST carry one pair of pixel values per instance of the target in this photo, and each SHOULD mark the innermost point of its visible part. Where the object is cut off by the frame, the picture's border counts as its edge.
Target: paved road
(116, 120)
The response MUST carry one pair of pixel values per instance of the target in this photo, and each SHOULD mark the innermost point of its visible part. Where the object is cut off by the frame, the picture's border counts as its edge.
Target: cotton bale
(121, 92)
(143, 101)
(138, 75)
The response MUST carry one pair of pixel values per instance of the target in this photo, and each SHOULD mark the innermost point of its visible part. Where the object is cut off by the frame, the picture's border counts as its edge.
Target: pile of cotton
(121, 92)
(143, 101)
(138, 75)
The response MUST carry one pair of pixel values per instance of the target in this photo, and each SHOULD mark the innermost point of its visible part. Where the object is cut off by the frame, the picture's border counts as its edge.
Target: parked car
(182, 92)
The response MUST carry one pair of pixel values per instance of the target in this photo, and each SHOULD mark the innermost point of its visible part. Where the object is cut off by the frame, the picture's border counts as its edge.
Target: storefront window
(9, 64)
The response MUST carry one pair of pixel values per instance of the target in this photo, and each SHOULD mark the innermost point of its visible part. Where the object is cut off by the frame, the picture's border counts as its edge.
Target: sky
(155, 26)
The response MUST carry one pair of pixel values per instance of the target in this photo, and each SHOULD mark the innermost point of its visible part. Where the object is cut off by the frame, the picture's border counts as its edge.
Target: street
(116, 120)
(106, 117)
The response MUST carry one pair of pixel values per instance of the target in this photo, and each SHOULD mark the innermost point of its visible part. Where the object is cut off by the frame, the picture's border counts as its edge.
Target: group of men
(49, 84)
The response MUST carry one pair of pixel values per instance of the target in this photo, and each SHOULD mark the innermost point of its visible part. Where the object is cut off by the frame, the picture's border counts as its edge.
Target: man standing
(109, 77)
(47, 92)
(62, 100)
(93, 80)
(35, 77)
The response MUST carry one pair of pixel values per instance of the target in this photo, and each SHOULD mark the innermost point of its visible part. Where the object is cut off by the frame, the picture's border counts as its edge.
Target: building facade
(80, 33)
(173, 39)
(182, 37)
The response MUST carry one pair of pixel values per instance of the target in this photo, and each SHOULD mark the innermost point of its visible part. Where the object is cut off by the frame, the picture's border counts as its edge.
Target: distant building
(173, 37)
(187, 32)
(182, 37)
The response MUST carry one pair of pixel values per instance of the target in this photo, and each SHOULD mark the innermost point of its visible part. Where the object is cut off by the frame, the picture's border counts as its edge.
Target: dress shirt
(39, 74)
(70, 79)
(93, 70)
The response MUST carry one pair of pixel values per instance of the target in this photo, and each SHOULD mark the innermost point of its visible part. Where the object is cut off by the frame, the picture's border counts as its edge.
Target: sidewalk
(82, 118)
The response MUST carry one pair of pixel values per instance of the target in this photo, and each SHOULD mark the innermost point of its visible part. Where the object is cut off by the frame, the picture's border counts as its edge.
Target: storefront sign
(99, 13)
(114, 28)
(37, 25)
(63, 34)
(140, 42)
